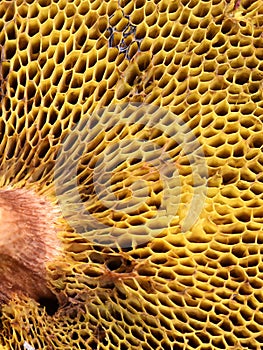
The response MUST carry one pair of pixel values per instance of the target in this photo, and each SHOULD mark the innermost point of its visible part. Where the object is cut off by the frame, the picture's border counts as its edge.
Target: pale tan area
(202, 60)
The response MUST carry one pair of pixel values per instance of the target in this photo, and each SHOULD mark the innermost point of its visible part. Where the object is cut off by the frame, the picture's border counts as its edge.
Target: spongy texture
(201, 60)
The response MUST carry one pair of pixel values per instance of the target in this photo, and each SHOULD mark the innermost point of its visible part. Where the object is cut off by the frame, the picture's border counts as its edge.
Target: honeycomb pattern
(129, 175)
(62, 60)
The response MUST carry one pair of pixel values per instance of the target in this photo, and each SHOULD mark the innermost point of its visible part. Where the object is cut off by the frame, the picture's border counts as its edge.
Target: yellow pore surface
(200, 60)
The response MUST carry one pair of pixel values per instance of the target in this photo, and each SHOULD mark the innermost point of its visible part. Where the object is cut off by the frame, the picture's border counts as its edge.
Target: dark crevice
(51, 305)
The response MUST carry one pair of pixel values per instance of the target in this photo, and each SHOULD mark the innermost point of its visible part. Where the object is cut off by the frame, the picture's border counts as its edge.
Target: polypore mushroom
(61, 61)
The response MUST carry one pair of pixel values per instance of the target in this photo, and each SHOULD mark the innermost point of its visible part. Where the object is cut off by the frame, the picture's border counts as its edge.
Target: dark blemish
(129, 32)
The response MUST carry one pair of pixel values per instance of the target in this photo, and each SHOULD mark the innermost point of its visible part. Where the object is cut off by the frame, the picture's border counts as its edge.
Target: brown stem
(28, 239)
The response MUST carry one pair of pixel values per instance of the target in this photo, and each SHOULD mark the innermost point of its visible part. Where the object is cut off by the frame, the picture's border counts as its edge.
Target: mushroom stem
(28, 240)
